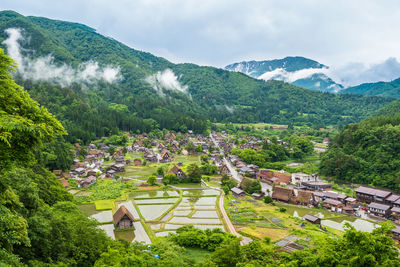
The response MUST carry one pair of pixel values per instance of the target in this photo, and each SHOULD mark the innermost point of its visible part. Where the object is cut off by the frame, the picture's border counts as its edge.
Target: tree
(160, 170)
(194, 173)
(251, 185)
(199, 148)
(23, 123)
(170, 178)
(228, 254)
(152, 180)
(111, 150)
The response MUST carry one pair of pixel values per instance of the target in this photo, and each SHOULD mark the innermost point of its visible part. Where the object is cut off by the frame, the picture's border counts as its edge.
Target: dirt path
(245, 240)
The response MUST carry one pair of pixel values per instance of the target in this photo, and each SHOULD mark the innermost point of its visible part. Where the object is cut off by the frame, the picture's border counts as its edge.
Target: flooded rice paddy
(152, 212)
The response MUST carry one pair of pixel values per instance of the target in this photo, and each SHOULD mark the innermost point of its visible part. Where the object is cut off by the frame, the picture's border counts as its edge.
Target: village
(145, 156)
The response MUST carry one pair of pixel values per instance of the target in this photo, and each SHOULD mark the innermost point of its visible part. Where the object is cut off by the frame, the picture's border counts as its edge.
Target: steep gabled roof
(121, 212)
(175, 170)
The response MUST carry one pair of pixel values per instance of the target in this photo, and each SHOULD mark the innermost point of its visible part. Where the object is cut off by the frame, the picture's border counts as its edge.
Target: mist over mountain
(299, 71)
(86, 76)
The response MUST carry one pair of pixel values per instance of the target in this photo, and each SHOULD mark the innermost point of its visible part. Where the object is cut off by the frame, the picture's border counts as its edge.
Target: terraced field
(159, 212)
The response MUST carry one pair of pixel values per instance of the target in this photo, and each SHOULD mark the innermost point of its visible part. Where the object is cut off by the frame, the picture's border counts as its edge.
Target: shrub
(268, 199)
(152, 180)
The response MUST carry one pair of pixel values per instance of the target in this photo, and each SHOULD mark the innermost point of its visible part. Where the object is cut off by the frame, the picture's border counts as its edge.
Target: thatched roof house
(304, 197)
(178, 172)
(123, 219)
(283, 194)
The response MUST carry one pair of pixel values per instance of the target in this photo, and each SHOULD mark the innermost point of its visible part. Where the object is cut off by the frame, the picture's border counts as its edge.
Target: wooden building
(123, 219)
(283, 194)
(178, 172)
(312, 219)
(368, 195)
(237, 192)
(379, 209)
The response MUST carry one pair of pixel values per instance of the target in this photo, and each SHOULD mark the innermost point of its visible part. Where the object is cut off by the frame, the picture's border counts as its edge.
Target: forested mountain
(300, 71)
(367, 152)
(385, 89)
(147, 92)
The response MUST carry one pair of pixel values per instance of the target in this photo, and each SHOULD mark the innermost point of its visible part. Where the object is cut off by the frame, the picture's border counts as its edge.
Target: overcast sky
(359, 39)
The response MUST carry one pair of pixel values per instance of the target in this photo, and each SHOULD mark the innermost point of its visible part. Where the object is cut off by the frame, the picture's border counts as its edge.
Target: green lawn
(134, 155)
(187, 159)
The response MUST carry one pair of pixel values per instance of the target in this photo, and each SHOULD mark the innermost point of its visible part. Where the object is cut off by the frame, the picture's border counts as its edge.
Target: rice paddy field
(159, 212)
(255, 219)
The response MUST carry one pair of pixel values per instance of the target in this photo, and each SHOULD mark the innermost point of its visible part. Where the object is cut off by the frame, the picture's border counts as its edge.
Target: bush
(152, 180)
(268, 199)
(282, 209)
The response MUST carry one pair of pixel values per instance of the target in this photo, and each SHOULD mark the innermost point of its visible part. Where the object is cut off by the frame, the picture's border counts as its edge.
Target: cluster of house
(380, 202)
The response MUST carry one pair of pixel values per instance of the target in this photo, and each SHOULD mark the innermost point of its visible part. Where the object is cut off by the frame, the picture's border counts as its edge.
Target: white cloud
(45, 69)
(226, 31)
(283, 75)
(166, 80)
(356, 73)
(229, 109)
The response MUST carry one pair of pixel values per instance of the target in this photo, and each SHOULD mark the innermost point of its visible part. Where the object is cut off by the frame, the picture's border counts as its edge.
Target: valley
(112, 156)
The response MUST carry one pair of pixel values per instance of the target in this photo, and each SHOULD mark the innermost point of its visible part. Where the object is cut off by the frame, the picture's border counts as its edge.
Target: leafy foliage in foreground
(39, 223)
(366, 153)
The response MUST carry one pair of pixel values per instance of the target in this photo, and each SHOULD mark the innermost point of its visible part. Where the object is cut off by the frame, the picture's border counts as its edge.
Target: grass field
(106, 204)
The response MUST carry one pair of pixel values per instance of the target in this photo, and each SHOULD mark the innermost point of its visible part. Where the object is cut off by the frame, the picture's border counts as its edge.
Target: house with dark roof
(379, 209)
(332, 204)
(316, 186)
(312, 219)
(123, 219)
(237, 192)
(395, 212)
(396, 233)
(390, 200)
(87, 181)
(367, 195)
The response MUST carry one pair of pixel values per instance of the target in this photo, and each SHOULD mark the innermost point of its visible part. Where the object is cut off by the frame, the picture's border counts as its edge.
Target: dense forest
(89, 111)
(366, 153)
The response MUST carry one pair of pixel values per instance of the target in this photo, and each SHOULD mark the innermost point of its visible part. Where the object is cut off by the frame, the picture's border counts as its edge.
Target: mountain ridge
(384, 89)
(150, 92)
(297, 70)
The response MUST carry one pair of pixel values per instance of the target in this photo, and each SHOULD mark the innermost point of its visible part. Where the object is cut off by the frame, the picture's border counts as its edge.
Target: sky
(358, 39)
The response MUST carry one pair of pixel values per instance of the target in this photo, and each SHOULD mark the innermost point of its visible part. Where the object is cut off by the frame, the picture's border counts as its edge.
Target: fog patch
(45, 68)
(229, 109)
(166, 80)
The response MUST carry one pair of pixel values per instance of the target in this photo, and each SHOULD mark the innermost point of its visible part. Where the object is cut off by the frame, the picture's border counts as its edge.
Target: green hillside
(385, 89)
(366, 153)
(92, 110)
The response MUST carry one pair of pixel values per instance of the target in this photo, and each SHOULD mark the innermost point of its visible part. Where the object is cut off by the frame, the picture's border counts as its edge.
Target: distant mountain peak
(301, 71)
